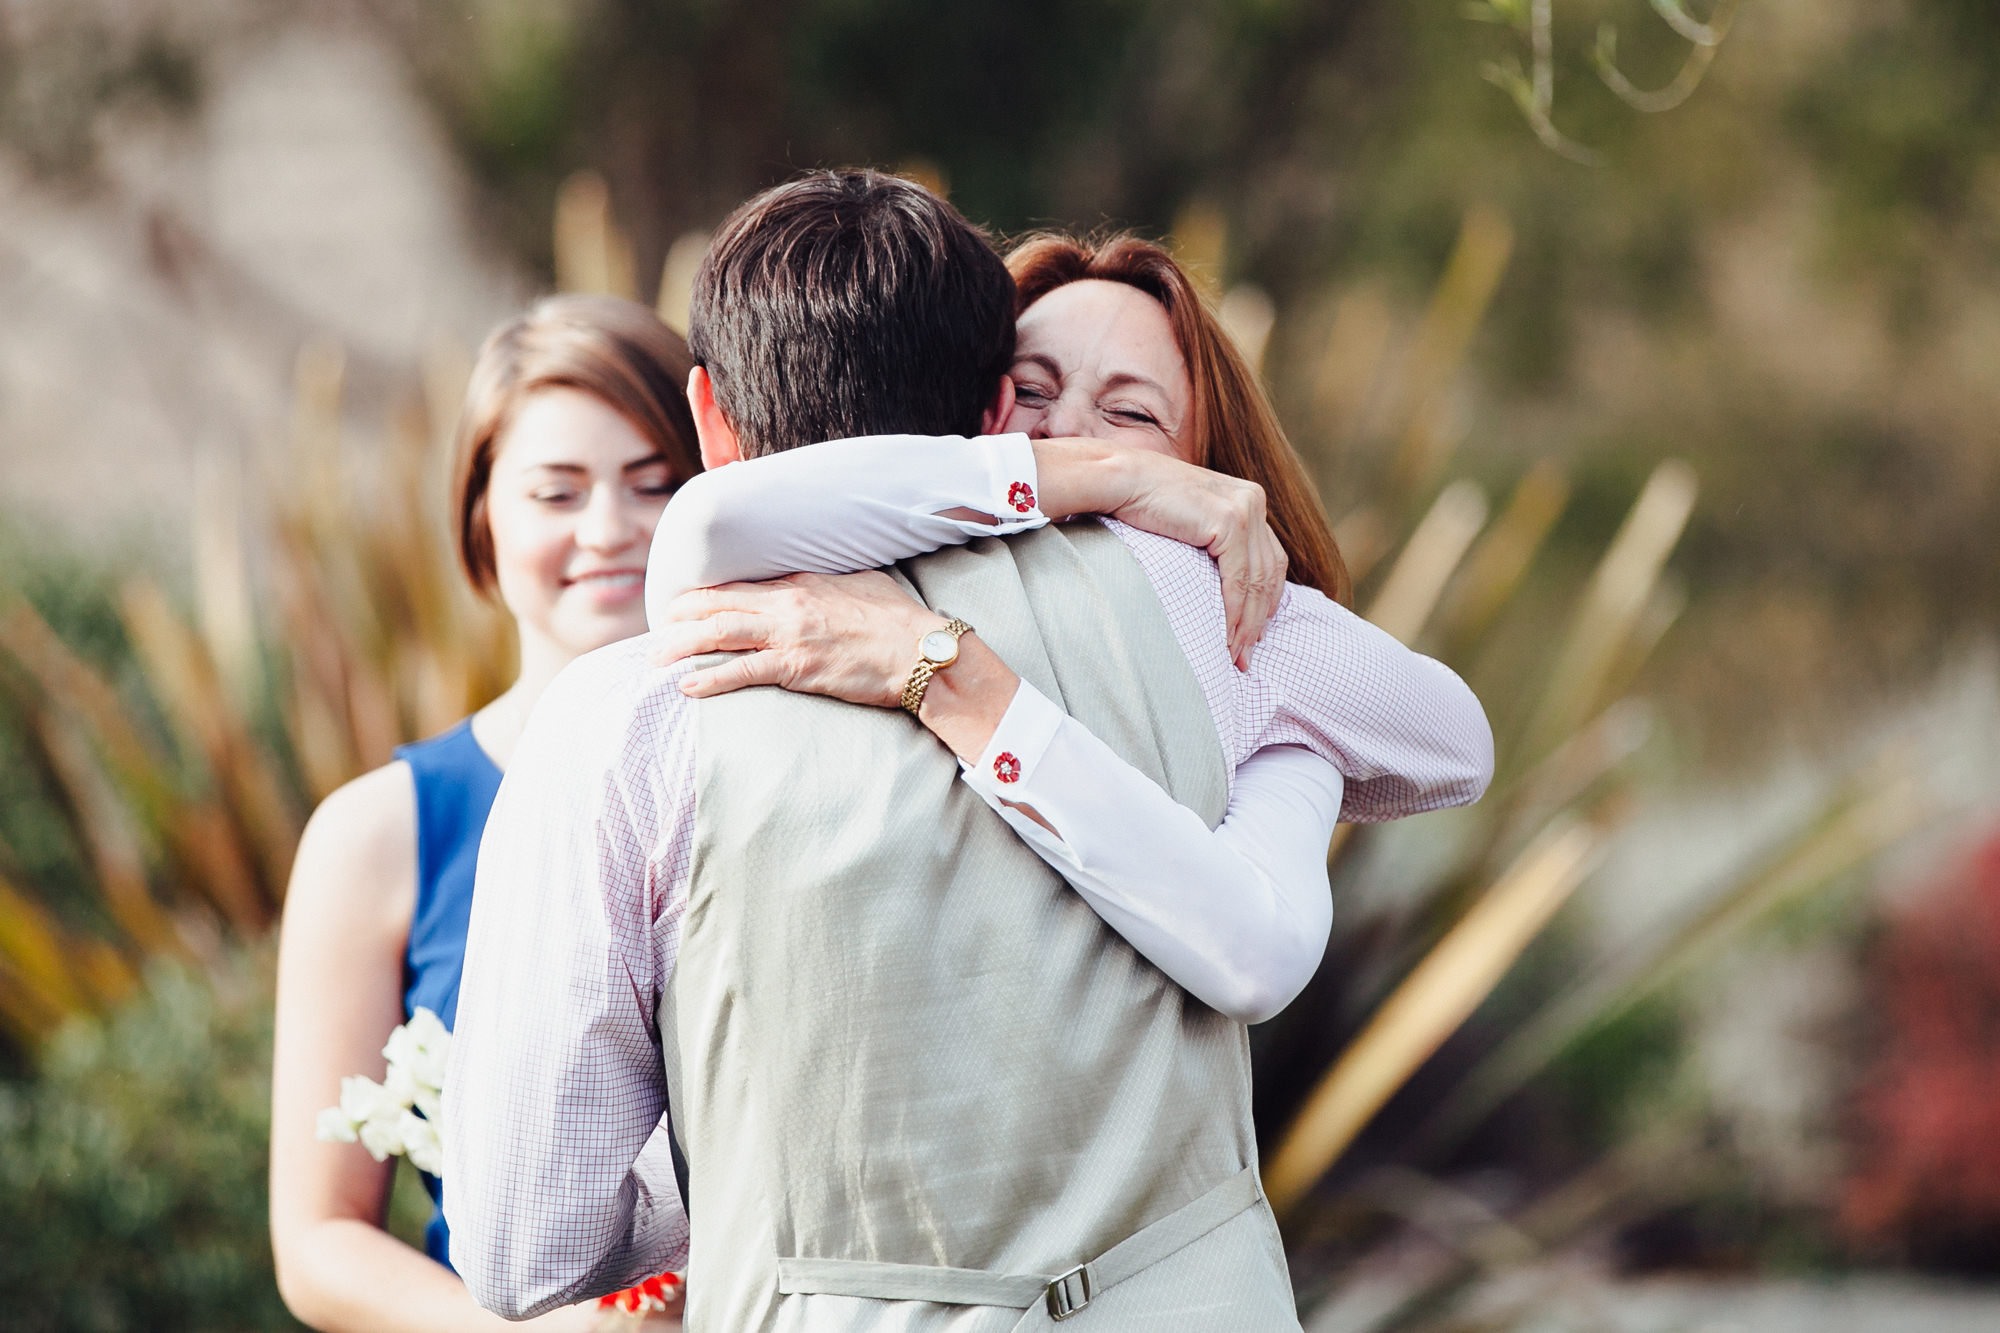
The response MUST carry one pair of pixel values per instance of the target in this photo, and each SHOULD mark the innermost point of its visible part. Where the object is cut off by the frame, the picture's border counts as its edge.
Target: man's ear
(995, 417)
(712, 430)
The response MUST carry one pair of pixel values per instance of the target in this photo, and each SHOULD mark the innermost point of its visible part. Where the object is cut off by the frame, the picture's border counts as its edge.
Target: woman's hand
(1224, 515)
(849, 636)
(1156, 493)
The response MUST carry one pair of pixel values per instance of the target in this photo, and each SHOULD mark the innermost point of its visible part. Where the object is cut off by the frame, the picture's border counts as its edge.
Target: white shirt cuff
(1007, 765)
(1012, 482)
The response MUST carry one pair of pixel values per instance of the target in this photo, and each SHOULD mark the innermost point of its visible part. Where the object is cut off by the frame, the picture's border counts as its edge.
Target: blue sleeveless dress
(456, 783)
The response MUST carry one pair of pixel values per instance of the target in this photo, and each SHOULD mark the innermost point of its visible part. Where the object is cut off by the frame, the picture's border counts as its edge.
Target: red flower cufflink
(1022, 496)
(1006, 767)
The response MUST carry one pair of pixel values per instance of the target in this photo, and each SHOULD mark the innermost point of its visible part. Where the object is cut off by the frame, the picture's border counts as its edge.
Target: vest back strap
(1064, 1294)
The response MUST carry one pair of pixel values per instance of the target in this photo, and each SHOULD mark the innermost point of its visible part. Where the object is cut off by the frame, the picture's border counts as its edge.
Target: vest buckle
(1069, 1293)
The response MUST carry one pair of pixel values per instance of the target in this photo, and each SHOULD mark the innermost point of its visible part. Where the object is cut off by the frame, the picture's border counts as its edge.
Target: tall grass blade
(1364, 538)
(1437, 996)
(1351, 365)
(1411, 591)
(1200, 240)
(1246, 315)
(223, 604)
(592, 254)
(1612, 605)
(1494, 570)
(1485, 242)
(188, 686)
(32, 945)
(107, 832)
(677, 280)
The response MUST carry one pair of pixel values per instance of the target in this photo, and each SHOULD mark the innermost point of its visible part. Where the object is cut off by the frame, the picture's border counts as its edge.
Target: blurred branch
(1533, 90)
(1707, 38)
(1708, 34)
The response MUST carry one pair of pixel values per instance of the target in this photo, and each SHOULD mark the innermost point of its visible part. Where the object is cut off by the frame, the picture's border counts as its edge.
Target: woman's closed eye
(556, 496)
(1032, 392)
(1132, 416)
(654, 482)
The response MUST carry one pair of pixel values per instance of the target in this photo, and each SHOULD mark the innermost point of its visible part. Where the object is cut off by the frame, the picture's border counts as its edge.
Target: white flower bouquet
(384, 1117)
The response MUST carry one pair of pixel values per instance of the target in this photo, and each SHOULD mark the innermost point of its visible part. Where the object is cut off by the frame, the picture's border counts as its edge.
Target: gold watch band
(921, 673)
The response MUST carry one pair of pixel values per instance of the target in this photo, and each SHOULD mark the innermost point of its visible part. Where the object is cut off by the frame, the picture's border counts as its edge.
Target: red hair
(1233, 428)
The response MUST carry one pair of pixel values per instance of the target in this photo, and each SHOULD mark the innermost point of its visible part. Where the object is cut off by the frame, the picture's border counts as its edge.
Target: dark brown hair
(1233, 428)
(850, 303)
(616, 351)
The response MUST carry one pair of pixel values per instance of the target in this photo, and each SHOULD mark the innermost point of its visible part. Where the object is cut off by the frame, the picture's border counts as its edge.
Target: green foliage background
(133, 1167)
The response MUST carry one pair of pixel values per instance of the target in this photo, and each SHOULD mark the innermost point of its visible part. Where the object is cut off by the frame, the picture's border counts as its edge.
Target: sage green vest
(917, 1080)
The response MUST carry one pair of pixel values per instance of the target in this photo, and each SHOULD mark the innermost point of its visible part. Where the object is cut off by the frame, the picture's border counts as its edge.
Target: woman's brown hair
(616, 351)
(1233, 427)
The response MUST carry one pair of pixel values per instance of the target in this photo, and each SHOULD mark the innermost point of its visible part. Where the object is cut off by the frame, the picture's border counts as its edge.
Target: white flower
(421, 1142)
(382, 1138)
(399, 1085)
(373, 1112)
(423, 1047)
(380, 1116)
(333, 1126)
(363, 1099)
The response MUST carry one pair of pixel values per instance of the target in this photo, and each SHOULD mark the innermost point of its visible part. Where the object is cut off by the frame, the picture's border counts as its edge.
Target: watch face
(938, 646)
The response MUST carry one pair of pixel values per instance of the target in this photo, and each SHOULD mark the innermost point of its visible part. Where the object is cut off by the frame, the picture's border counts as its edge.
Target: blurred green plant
(186, 838)
(134, 1164)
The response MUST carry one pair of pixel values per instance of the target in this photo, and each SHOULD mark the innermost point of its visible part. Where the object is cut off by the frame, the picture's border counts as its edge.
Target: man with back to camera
(919, 1083)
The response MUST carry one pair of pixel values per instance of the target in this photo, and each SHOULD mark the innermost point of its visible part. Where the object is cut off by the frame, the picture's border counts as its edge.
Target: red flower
(1022, 496)
(654, 1294)
(1006, 767)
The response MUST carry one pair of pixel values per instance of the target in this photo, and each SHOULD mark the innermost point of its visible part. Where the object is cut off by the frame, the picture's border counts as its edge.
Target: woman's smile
(608, 588)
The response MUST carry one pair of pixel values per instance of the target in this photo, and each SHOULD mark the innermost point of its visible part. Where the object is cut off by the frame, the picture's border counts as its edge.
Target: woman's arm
(340, 961)
(1405, 732)
(1238, 916)
(851, 505)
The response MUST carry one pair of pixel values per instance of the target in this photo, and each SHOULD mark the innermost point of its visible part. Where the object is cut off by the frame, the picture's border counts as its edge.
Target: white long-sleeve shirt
(1144, 863)
(554, 1139)
(1404, 731)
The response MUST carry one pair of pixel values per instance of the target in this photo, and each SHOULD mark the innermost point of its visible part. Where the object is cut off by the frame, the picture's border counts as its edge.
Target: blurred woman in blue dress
(574, 433)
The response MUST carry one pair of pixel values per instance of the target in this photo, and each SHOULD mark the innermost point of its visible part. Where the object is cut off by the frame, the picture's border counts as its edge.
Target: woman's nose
(606, 525)
(1064, 418)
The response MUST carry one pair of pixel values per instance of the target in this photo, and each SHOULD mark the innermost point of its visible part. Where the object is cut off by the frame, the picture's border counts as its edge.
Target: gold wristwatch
(935, 651)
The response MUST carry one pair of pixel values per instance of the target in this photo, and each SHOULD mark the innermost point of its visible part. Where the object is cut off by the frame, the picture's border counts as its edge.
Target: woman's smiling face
(1098, 359)
(575, 494)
